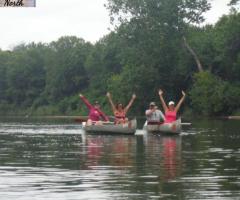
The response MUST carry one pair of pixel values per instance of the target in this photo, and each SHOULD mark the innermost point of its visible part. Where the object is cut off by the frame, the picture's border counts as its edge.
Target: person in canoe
(170, 110)
(119, 111)
(95, 114)
(153, 114)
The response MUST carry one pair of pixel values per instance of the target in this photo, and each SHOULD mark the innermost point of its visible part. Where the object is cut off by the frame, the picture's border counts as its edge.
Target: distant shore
(85, 117)
(232, 117)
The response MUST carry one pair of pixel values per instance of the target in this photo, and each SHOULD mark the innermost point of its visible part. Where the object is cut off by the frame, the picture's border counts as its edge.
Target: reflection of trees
(165, 154)
(109, 150)
(41, 150)
(158, 161)
(120, 152)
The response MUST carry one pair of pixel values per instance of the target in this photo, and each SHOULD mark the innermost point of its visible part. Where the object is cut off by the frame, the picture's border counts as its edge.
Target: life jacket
(94, 115)
(120, 116)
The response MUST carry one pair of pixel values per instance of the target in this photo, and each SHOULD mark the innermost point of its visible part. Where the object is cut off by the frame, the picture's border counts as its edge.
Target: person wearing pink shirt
(170, 110)
(95, 114)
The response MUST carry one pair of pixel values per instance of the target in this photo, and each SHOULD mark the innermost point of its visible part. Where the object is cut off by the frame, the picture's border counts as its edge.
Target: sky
(51, 19)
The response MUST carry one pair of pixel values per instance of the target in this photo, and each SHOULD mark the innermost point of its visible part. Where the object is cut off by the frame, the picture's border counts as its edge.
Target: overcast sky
(52, 19)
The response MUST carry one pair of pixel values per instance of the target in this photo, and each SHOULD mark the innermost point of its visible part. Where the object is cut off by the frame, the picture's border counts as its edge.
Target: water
(41, 160)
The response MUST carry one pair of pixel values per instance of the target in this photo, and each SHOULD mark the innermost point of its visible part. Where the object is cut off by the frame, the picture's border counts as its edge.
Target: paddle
(160, 123)
(154, 123)
(186, 124)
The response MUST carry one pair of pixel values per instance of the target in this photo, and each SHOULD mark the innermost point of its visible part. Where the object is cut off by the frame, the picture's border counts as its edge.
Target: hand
(154, 109)
(160, 92)
(134, 96)
(183, 93)
(108, 94)
(80, 95)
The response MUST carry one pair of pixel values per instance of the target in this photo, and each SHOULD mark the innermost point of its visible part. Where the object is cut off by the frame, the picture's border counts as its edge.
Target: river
(46, 160)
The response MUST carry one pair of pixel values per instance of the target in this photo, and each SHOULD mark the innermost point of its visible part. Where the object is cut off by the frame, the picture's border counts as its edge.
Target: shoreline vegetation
(147, 51)
(84, 117)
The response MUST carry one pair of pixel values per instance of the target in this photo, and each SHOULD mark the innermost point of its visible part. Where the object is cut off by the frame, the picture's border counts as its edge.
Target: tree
(227, 42)
(234, 2)
(25, 74)
(4, 57)
(169, 13)
(210, 95)
(160, 19)
(66, 73)
(152, 32)
(104, 59)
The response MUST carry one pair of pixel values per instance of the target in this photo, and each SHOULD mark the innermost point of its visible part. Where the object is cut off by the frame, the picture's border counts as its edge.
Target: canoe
(127, 128)
(168, 128)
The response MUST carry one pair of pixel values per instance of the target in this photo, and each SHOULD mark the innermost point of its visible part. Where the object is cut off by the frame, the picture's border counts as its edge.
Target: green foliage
(212, 96)
(4, 57)
(143, 54)
(172, 12)
(232, 2)
(25, 75)
(66, 73)
(227, 42)
(69, 104)
(140, 80)
(102, 62)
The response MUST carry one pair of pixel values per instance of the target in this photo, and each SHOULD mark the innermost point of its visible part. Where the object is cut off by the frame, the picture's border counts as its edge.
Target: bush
(212, 96)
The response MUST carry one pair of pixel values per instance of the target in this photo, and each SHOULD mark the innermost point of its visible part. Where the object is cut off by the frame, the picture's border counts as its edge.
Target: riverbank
(84, 117)
(232, 117)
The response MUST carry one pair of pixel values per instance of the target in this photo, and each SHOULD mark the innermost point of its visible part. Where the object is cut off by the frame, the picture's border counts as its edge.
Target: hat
(152, 104)
(96, 103)
(171, 103)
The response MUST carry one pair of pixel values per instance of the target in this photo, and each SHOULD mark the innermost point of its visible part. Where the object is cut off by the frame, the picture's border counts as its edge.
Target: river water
(42, 160)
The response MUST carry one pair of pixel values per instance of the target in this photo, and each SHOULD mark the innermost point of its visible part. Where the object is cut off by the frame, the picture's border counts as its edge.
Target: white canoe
(171, 128)
(127, 128)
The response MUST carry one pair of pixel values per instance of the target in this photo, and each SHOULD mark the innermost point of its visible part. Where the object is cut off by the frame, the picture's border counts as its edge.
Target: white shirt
(155, 115)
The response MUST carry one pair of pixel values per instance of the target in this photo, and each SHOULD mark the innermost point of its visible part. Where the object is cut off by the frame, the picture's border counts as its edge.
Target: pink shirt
(94, 113)
(170, 116)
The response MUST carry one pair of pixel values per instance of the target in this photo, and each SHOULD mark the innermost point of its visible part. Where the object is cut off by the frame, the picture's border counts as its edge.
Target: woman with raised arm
(95, 114)
(119, 111)
(170, 110)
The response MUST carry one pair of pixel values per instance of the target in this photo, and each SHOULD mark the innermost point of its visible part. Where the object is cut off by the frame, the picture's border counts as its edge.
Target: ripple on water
(55, 181)
(45, 161)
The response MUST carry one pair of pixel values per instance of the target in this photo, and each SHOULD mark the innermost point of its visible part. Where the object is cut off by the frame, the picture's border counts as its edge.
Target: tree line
(155, 44)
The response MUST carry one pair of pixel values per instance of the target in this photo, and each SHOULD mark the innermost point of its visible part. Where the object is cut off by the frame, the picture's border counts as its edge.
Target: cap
(96, 103)
(171, 103)
(152, 104)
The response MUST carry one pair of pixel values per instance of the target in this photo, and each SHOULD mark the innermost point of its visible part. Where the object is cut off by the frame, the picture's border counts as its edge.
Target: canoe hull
(128, 128)
(167, 128)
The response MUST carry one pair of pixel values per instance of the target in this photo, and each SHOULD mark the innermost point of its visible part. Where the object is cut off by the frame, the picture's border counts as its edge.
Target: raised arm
(85, 101)
(103, 115)
(130, 103)
(180, 101)
(111, 102)
(162, 100)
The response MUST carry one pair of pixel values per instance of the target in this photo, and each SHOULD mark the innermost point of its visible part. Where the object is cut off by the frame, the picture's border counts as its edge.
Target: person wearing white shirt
(153, 114)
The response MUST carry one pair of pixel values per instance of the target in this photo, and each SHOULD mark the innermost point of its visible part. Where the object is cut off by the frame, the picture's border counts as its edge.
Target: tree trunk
(199, 65)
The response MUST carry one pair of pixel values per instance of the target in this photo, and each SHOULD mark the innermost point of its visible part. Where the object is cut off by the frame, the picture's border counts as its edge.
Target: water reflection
(171, 157)
(109, 150)
(165, 151)
(123, 152)
(59, 161)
